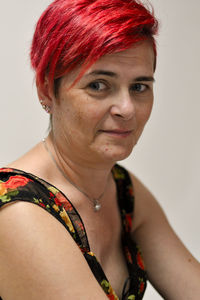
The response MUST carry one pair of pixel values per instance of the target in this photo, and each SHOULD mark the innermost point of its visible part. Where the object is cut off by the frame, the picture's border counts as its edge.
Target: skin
(95, 124)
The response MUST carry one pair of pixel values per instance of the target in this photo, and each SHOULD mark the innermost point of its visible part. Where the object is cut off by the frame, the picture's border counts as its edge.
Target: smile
(118, 133)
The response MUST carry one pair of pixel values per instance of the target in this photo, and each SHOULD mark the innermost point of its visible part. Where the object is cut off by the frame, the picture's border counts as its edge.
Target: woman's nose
(124, 107)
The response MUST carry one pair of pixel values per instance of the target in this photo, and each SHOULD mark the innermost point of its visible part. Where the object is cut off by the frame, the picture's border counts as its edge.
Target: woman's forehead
(141, 56)
(135, 61)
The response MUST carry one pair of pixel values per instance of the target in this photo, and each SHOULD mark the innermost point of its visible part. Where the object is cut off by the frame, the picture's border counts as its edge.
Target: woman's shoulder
(164, 254)
(136, 198)
(41, 254)
(17, 184)
(146, 206)
(32, 239)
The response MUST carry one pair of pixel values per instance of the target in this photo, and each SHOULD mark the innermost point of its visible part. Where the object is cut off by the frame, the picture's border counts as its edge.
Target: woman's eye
(97, 86)
(139, 87)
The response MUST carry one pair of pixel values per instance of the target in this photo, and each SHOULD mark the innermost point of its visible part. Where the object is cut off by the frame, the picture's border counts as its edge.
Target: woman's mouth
(118, 133)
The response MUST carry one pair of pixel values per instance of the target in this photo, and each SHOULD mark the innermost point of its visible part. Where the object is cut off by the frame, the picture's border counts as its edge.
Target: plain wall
(167, 156)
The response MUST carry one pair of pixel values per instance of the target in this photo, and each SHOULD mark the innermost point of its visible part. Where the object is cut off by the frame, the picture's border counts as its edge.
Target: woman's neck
(91, 179)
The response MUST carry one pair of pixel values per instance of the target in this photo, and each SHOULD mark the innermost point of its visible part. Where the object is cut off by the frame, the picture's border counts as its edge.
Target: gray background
(167, 157)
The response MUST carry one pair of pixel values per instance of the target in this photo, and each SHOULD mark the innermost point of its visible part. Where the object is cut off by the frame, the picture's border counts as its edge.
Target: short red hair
(71, 33)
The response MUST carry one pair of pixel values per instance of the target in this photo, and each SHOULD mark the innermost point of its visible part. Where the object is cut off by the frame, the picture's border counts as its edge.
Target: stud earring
(45, 107)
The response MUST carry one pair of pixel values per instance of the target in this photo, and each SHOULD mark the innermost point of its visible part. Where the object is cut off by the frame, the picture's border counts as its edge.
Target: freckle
(189, 260)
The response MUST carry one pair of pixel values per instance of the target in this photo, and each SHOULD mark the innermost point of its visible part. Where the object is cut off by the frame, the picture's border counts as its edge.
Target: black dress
(17, 185)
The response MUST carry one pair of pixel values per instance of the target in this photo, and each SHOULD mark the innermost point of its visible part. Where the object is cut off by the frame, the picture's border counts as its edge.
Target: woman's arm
(39, 260)
(172, 270)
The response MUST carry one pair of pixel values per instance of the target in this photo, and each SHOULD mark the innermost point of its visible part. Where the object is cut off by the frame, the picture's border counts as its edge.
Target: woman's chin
(114, 154)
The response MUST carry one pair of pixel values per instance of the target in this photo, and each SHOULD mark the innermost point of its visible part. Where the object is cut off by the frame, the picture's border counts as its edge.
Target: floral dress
(17, 185)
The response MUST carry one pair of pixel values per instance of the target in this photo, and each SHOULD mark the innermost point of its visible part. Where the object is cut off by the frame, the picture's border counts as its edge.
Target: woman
(94, 64)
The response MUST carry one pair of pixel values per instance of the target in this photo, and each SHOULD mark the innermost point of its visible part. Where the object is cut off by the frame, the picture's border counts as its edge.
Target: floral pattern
(18, 185)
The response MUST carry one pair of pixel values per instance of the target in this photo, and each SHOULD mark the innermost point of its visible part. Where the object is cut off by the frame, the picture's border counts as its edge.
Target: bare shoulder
(146, 208)
(39, 259)
(169, 265)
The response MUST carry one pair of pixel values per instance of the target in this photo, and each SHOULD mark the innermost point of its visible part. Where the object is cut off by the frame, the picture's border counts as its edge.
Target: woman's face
(100, 119)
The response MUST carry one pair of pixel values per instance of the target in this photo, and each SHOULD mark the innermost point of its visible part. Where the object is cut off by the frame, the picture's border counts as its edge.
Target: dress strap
(125, 194)
(16, 185)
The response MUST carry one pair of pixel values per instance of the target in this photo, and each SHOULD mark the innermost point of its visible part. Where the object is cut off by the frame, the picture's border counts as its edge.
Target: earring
(45, 107)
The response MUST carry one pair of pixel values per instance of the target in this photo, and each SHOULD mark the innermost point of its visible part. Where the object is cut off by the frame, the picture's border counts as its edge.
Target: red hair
(71, 33)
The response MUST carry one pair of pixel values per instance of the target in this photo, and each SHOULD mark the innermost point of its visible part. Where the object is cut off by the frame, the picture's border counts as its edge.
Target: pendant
(97, 205)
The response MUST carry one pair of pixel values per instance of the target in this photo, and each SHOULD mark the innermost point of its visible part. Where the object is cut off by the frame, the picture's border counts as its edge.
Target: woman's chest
(105, 242)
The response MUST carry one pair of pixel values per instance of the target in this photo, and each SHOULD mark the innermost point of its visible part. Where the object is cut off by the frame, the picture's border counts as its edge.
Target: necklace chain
(95, 201)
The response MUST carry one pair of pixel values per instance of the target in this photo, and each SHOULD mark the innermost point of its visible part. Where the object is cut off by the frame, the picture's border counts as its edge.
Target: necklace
(95, 201)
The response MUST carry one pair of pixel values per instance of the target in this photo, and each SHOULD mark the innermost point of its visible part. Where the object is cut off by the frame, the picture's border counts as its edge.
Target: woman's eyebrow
(102, 72)
(112, 74)
(145, 78)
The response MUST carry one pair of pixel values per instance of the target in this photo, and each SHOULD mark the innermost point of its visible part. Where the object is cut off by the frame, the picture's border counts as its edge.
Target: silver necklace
(95, 201)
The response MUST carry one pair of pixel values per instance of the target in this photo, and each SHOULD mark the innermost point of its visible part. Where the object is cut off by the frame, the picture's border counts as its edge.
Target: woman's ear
(45, 95)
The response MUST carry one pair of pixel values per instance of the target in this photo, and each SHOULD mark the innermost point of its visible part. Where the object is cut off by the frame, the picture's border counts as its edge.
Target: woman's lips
(118, 132)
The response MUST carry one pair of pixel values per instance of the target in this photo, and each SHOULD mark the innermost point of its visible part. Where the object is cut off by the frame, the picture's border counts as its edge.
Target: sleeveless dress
(17, 185)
